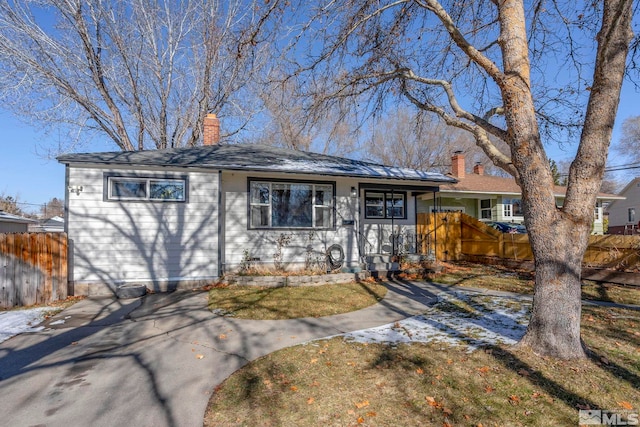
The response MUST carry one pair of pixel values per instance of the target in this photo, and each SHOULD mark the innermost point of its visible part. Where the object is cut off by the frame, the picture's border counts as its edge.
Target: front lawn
(264, 303)
(338, 382)
(521, 281)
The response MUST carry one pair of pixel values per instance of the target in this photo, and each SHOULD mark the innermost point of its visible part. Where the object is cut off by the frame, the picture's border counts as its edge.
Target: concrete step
(384, 274)
(390, 266)
(377, 258)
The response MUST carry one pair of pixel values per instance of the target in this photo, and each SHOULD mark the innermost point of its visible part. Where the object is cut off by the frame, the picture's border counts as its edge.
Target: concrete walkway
(155, 361)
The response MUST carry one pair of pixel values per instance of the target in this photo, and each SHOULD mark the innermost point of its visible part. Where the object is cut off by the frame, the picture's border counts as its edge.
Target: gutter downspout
(70, 284)
(435, 230)
(221, 237)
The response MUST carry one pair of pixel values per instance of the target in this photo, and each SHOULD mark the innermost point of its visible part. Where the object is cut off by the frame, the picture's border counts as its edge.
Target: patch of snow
(460, 319)
(21, 321)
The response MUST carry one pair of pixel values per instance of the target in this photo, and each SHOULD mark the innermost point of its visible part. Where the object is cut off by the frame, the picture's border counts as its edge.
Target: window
(149, 189)
(384, 205)
(512, 207)
(290, 205)
(631, 215)
(485, 209)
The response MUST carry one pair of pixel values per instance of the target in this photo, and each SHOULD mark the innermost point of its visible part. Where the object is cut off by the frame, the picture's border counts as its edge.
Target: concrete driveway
(155, 361)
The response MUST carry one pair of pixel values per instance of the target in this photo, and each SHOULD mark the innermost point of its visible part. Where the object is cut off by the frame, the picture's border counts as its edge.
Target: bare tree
(54, 207)
(629, 144)
(418, 141)
(10, 204)
(522, 75)
(142, 73)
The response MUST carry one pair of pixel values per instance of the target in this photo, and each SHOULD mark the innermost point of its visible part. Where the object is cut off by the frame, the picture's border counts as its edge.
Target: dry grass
(336, 383)
(264, 303)
(56, 306)
(521, 281)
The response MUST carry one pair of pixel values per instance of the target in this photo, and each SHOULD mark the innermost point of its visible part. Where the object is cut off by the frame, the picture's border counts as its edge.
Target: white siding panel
(619, 209)
(116, 241)
(262, 243)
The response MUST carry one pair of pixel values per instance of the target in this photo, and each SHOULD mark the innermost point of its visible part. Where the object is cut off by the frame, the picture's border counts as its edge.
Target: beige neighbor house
(624, 213)
(492, 198)
(179, 218)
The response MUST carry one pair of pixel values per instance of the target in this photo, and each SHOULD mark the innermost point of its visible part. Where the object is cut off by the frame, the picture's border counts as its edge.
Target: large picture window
(146, 189)
(290, 205)
(385, 205)
(512, 207)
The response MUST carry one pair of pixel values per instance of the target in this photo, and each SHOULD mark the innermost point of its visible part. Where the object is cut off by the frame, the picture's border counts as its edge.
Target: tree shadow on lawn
(507, 327)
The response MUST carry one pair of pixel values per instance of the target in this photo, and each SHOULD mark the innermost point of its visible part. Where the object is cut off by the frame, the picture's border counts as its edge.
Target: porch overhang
(416, 189)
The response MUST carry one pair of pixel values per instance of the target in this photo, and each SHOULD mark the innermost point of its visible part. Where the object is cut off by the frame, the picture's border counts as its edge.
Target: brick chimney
(478, 169)
(211, 131)
(457, 165)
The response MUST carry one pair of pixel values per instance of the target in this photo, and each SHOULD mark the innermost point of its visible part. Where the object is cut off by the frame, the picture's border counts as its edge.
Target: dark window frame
(484, 210)
(386, 193)
(331, 208)
(108, 178)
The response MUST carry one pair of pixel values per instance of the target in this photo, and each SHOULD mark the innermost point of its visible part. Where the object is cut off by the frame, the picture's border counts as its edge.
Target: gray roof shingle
(253, 157)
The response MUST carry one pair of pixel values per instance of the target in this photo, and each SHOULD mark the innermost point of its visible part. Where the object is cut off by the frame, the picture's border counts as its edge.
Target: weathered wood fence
(458, 236)
(33, 268)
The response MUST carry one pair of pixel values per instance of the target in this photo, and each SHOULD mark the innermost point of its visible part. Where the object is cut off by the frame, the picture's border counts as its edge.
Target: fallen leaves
(514, 400)
(625, 405)
(362, 404)
(199, 356)
(524, 372)
(484, 369)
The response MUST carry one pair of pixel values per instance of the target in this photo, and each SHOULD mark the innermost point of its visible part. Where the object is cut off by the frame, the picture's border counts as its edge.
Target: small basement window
(146, 189)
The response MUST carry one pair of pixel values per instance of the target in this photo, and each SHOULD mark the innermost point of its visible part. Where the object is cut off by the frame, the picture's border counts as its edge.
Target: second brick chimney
(457, 165)
(211, 131)
(478, 169)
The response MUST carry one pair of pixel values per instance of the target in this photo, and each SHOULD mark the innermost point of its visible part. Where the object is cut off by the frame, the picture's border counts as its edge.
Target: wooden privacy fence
(457, 236)
(33, 268)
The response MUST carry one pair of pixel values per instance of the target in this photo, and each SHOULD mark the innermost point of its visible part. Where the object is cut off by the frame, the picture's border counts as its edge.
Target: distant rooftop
(7, 217)
(253, 157)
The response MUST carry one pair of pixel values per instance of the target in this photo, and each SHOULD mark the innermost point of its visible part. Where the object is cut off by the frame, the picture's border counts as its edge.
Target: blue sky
(27, 173)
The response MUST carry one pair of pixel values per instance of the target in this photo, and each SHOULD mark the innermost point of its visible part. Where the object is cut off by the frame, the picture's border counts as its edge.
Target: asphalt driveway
(155, 361)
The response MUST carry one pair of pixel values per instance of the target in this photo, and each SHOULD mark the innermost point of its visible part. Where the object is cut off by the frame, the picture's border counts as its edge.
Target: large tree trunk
(554, 327)
(559, 237)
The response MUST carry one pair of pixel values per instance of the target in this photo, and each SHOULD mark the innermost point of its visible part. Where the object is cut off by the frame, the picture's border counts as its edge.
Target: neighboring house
(51, 225)
(182, 217)
(624, 215)
(493, 198)
(10, 223)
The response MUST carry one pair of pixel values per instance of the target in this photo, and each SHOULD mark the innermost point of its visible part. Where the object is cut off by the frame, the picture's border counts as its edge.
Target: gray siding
(12, 227)
(159, 243)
